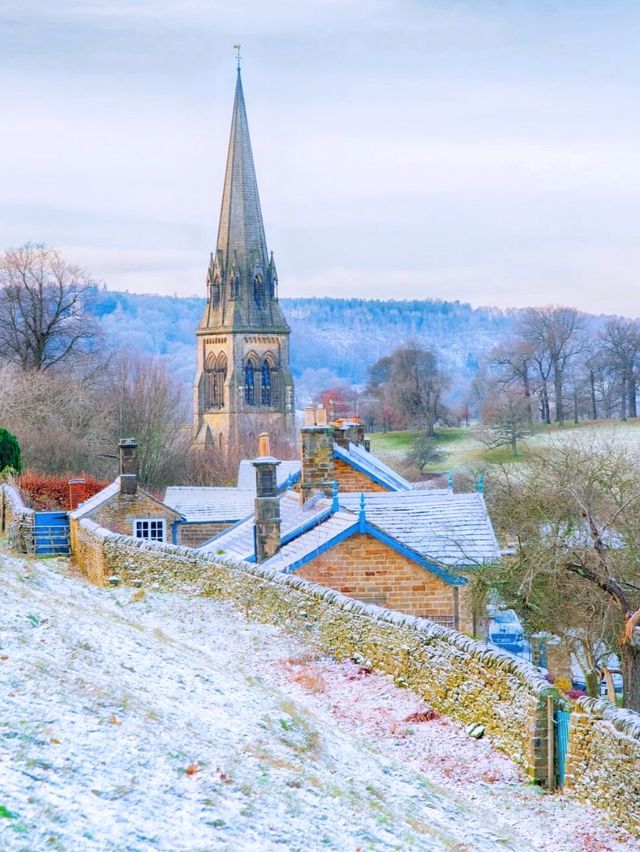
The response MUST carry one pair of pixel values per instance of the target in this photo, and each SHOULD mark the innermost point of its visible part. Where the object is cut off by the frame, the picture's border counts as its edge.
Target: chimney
(128, 449)
(267, 516)
(77, 493)
(317, 454)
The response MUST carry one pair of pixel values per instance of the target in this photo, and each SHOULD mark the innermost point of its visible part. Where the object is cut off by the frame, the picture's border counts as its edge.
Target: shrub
(10, 455)
(47, 491)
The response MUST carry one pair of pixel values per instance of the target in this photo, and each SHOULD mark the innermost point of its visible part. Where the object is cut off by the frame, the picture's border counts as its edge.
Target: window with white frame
(151, 528)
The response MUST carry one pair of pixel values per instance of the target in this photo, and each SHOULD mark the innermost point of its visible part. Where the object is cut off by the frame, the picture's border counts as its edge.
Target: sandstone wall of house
(120, 512)
(603, 764)
(352, 480)
(193, 535)
(367, 569)
(458, 676)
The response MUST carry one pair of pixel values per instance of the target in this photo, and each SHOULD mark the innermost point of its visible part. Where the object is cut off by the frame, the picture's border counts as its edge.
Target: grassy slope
(462, 449)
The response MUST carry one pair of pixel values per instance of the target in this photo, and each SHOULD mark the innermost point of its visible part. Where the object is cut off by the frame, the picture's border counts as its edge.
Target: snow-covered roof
(307, 544)
(97, 500)
(444, 528)
(214, 505)
(238, 541)
(448, 528)
(370, 465)
(107, 493)
(354, 455)
(286, 470)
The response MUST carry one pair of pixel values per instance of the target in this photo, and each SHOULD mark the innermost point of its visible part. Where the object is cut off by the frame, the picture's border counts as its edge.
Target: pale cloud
(462, 151)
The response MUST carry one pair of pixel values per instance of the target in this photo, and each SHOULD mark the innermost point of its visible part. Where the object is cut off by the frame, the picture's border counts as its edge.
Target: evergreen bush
(10, 455)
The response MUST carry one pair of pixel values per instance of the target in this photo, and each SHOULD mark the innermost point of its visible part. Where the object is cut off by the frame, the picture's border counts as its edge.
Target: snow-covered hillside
(139, 720)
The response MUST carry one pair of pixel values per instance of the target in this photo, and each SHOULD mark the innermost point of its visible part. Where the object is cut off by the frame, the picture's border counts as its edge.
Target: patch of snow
(142, 720)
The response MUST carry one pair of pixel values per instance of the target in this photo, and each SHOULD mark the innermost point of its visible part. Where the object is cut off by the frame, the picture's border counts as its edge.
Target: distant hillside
(332, 339)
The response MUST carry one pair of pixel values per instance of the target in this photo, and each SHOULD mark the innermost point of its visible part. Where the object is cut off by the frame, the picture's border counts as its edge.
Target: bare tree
(514, 360)
(507, 416)
(43, 320)
(554, 332)
(412, 382)
(144, 402)
(621, 347)
(573, 516)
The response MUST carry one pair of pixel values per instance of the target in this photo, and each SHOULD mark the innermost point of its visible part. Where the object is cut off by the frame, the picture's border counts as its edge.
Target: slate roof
(447, 529)
(212, 505)
(356, 456)
(450, 529)
(108, 493)
(238, 541)
(285, 470)
(372, 466)
(98, 499)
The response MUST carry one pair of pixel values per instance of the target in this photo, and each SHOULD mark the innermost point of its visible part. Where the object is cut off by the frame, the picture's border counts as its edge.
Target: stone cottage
(123, 506)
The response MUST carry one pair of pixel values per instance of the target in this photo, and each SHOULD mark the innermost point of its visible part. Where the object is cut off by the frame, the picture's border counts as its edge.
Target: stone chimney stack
(128, 449)
(317, 454)
(267, 523)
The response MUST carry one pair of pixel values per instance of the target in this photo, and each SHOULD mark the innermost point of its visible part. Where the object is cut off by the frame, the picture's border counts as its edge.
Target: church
(243, 382)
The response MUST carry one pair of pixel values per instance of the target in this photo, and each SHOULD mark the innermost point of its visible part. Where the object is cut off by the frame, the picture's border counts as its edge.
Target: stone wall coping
(425, 629)
(624, 721)
(14, 497)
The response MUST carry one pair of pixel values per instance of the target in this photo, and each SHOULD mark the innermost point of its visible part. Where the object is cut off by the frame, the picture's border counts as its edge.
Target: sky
(480, 150)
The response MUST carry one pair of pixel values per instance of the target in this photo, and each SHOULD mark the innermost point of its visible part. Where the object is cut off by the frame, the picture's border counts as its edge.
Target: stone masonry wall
(352, 480)
(458, 676)
(121, 510)
(367, 569)
(16, 516)
(193, 535)
(603, 764)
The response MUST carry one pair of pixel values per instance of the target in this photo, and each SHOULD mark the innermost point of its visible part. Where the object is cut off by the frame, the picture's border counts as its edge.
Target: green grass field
(462, 449)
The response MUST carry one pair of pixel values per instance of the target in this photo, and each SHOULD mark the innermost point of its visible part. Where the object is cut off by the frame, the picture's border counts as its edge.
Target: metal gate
(562, 719)
(51, 534)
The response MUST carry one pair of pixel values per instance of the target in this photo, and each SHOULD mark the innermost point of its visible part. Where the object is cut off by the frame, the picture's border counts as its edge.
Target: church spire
(241, 230)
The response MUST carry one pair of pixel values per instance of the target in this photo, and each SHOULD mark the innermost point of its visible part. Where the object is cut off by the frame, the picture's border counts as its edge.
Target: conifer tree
(10, 455)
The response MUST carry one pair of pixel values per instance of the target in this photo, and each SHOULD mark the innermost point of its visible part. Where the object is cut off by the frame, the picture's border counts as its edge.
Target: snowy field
(133, 720)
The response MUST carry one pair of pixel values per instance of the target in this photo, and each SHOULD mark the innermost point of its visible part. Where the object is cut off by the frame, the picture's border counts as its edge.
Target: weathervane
(236, 47)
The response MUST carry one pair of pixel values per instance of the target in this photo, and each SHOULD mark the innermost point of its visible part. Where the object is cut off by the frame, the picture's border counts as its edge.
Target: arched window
(215, 376)
(249, 383)
(220, 379)
(265, 383)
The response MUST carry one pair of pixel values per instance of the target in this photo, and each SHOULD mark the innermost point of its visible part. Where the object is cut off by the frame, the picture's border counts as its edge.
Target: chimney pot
(321, 416)
(263, 445)
(309, 415)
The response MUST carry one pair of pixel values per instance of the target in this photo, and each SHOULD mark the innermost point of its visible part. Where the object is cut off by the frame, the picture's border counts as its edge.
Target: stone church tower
(243, 382)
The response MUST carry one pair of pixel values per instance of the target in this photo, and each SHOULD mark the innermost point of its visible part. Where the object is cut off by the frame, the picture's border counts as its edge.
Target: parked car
(505, 631)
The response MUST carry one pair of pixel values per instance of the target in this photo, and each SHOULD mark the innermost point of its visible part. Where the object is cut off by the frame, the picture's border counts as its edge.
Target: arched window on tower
(209, 381)
(220, 378)
(249, 382)
(265, 383)
(215, 376)
(268, 381)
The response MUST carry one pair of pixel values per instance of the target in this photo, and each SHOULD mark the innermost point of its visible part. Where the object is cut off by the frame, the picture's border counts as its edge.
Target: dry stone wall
(457, 675)
(603, 764)
(16, 519)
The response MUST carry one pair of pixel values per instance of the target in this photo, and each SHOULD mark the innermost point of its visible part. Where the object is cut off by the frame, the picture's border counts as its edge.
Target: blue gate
(562, 718)
(51, 534)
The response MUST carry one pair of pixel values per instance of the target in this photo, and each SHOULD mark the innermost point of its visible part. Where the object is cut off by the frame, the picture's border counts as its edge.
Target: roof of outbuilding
(108, 493)
(213, 505)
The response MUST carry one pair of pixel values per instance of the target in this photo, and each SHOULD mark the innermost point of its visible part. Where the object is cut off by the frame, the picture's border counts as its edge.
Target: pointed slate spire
(241, 230)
